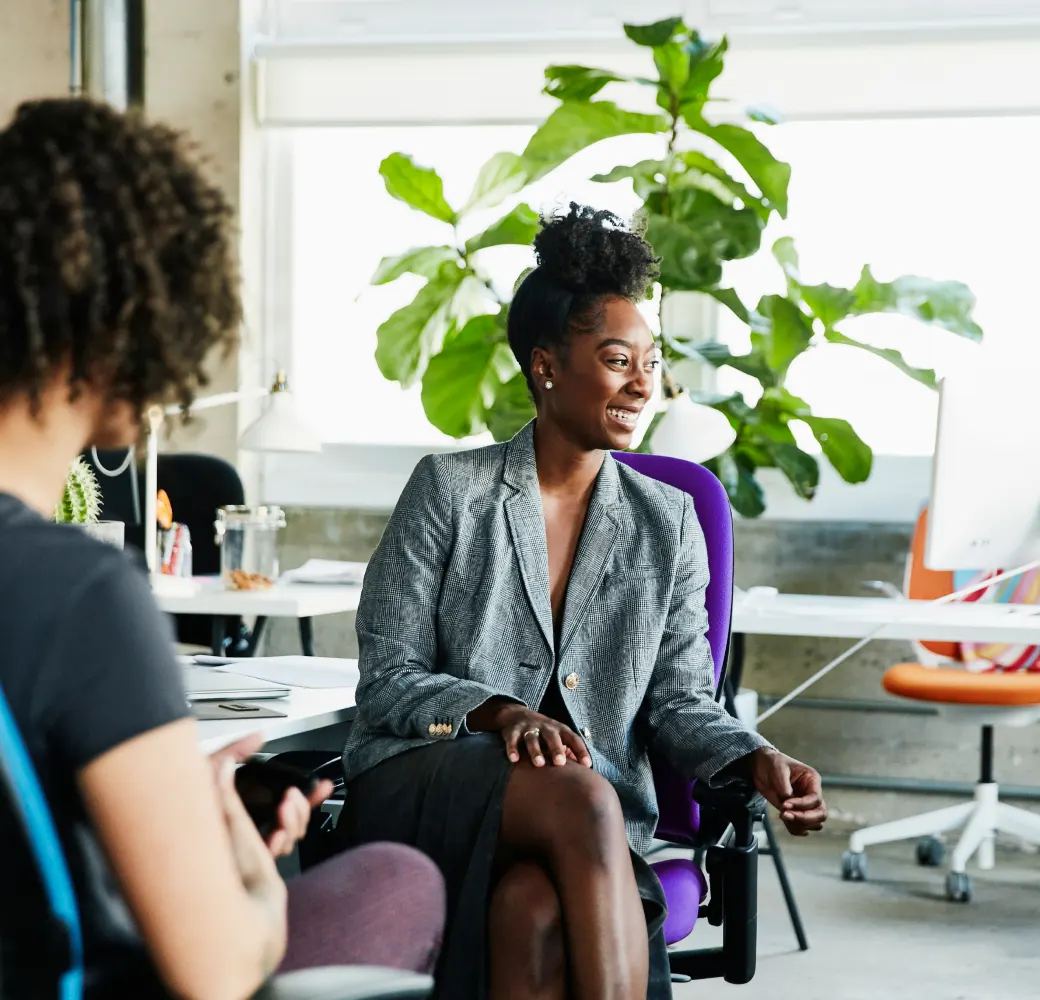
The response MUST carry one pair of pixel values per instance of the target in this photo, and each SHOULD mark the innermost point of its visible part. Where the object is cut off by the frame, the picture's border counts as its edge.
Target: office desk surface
(855, 617)
(207, 596)
(307, 708)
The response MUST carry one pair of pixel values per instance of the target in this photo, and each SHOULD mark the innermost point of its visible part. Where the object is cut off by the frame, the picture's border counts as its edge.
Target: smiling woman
(505, 722)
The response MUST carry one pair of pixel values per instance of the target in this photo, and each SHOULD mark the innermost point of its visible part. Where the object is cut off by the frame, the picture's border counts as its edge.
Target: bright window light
(946, 198)
(949, 199)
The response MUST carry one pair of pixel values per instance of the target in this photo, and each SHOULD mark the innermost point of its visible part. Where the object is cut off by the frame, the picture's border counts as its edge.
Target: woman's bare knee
(526, 933)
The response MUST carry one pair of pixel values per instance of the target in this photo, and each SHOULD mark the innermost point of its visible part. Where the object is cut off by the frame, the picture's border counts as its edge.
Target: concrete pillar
(193, 82)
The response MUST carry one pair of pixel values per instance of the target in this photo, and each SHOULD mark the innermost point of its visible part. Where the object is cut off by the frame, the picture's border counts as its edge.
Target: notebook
(213, 684)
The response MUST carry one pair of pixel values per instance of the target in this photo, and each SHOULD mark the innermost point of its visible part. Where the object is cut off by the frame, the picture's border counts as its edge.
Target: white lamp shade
(692, 431)
(280, 428)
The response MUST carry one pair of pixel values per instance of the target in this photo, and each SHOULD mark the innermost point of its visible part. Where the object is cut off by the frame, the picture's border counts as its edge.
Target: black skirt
(446, 800)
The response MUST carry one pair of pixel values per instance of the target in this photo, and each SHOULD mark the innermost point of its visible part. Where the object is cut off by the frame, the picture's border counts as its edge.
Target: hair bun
(593, 252)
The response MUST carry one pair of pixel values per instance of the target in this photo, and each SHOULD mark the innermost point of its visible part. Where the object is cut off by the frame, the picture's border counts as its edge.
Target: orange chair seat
(955, 686)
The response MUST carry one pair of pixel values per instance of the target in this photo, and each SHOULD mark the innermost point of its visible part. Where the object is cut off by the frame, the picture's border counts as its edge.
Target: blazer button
(585, 734)
(571, 681)
(434, 729)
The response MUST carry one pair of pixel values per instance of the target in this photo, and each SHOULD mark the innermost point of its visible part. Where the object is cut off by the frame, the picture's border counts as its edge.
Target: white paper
(297, 671)
(327, 571)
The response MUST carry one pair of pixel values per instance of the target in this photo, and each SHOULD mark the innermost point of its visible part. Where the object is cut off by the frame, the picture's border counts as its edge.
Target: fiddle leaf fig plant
(706, 200)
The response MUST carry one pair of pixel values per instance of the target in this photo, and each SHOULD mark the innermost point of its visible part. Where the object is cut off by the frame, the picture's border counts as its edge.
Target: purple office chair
(720, 821)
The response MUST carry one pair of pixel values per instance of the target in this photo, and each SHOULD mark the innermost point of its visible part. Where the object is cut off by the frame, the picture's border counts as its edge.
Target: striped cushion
(1001, 657)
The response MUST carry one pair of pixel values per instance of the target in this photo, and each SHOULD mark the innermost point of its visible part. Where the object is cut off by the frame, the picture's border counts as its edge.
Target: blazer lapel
(527, 527)
(598, 537)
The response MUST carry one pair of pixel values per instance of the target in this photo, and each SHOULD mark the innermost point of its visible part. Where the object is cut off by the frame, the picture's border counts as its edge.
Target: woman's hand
(529, 732)
(294, 812)
(792, 787)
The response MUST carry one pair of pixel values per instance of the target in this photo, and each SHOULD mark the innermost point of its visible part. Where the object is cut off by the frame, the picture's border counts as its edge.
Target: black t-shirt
(87, 663)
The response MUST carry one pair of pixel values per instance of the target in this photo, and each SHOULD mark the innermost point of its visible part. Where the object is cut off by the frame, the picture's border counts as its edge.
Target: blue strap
(17, 768)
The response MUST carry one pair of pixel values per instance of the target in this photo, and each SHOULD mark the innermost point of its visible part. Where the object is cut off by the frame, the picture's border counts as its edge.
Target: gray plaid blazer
(456, 609)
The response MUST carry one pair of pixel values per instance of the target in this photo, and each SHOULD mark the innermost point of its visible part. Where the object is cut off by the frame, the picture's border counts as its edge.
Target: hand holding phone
(262, 785)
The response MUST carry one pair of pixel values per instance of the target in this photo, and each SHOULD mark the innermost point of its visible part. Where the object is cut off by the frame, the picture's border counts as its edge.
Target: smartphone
(262, 784)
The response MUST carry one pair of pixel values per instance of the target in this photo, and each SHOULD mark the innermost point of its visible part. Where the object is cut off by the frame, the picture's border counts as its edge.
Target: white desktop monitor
(984, 512)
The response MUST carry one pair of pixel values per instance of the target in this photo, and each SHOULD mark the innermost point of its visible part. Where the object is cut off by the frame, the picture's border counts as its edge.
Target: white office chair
(981, 700)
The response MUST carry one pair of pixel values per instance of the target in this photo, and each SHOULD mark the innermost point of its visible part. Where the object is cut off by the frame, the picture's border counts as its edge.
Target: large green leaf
(577, 83)
(504, 174)
(731, 300)
(948, 304)
(407, 338)
(658, 33)
(845, 450)
(673, 66)
(472, 298)
(829, 304)
(461, 381)
(926, 376)
(520, 226)
(573, 126)
(770, 175)
(424, 261)
(737, 474)
(800, 468)
(705, 66)
(647, 176)
(511, 409)
(786, 334)
(420, 187)
(697, 166)
(686, 263)
(698, 233)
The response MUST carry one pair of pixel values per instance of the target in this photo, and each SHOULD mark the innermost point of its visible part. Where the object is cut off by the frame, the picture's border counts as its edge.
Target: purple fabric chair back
(679, 814)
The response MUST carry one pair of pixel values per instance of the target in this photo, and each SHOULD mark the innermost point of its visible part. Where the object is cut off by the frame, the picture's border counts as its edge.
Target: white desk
(302, 601)
(307, 708)
(207, 596)
(855, 617)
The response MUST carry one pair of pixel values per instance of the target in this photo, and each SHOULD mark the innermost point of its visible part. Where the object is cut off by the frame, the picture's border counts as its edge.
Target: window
(944, 198)
(344, 222)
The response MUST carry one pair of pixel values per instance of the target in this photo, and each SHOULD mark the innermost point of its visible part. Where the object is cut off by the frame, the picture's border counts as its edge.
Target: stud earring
(548, 385)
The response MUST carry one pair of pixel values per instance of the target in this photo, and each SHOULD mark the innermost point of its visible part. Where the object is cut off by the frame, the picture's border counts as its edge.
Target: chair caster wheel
(958, 887)
(854, 867)
(930, 852)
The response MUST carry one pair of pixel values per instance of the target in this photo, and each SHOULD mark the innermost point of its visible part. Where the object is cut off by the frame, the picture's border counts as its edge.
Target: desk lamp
(690, 430)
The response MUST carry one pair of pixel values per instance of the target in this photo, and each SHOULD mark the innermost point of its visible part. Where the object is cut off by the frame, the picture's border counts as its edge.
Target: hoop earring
(548, 385)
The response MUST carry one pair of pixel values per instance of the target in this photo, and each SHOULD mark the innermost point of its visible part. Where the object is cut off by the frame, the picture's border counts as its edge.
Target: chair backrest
(679, 814)
(924, 584)
(22, 789)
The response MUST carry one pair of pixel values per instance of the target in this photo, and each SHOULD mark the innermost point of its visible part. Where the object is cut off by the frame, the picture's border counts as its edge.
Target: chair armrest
(736, 804)
(348, 982)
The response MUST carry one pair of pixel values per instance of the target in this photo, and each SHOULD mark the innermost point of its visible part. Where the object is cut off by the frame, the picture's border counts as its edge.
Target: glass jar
(248, 540)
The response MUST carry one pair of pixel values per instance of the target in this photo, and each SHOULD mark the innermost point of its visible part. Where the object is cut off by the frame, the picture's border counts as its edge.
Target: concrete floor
(893, 938)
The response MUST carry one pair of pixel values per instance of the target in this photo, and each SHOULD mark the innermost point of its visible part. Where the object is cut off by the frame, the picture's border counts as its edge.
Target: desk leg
(219, 635)
(307, 636)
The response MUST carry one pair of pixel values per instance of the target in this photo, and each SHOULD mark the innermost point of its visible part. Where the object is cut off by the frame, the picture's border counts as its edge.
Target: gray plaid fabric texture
(456, 609)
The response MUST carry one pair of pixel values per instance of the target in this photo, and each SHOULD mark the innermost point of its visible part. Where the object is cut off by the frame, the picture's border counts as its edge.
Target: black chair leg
(785, 884)
(256, 635)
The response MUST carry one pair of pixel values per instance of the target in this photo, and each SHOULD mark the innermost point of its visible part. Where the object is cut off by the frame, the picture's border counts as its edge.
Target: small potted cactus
(80, 504)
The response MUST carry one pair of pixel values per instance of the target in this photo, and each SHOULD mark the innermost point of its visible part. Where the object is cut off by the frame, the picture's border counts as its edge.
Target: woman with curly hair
(532, 624)
(117, 280)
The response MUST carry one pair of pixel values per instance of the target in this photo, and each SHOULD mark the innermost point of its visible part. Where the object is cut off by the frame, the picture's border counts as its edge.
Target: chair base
(982, 820)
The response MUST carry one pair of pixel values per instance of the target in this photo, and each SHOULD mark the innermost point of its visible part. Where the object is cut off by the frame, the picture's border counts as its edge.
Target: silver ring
(532, 732)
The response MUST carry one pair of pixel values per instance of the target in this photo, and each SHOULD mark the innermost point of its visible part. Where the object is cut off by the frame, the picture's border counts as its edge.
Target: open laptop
(214, 684)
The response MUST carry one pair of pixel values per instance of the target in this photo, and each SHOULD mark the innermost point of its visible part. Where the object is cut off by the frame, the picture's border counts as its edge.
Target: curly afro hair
(116, 256)
(585, 257)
